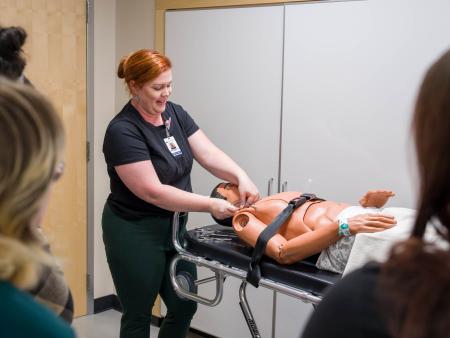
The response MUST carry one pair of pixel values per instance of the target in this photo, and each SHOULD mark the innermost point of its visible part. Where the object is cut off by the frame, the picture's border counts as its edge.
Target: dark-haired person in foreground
(12, 60)
(409, 295)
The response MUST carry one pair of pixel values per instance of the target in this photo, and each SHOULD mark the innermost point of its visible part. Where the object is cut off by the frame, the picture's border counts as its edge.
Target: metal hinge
(88, 151)
(88, 282)
(88, 4)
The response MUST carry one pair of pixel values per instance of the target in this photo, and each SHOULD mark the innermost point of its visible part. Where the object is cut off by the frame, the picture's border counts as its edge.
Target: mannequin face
(230, 192)
(154, 94)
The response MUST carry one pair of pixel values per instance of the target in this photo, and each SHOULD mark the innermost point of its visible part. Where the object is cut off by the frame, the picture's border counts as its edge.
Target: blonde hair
(31, 143)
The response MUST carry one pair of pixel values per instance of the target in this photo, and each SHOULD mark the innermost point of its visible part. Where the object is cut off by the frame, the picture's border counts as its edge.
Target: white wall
(134, 31)
(120, 27)
(104, 92)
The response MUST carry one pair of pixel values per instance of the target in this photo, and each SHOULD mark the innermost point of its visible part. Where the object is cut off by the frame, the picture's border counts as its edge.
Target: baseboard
(107, 303)
(201, 333)
(112, 302)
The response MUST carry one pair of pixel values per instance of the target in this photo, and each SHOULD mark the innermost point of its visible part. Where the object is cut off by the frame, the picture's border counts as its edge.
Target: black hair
(216, 194)
(12, 61)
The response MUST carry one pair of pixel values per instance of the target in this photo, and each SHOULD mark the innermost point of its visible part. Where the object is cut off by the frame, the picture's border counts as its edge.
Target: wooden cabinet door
(56, 65)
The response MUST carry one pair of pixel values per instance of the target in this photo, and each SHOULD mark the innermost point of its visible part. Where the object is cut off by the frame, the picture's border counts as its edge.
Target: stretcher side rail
(221, 271)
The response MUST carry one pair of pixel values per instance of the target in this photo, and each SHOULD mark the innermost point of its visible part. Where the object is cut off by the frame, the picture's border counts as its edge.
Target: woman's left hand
(248, 192)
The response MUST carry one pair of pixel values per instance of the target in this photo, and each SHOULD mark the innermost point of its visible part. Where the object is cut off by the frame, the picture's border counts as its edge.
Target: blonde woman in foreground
(31, 143)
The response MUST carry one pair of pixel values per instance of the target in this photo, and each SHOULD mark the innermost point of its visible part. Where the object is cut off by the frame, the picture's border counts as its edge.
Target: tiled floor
(106, 325)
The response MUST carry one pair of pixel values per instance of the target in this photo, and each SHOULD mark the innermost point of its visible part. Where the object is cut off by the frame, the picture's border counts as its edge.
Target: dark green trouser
(139, 254)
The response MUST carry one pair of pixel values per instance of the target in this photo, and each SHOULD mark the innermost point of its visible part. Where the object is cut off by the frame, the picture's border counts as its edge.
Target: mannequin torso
(308, 217)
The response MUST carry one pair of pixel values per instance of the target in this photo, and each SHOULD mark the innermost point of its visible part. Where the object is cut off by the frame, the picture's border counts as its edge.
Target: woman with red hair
(149, 149)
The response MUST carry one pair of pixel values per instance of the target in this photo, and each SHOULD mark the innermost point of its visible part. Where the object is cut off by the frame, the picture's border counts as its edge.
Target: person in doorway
(12, 60)
(31, 144)
(408, 295)
(52, 289)
(317, 226)
(149, 149)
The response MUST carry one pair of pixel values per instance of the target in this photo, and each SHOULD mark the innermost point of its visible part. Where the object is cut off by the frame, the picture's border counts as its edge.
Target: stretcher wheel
(186, 281)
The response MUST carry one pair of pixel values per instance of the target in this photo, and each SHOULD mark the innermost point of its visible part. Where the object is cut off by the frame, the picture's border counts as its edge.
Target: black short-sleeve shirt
(129, 138)
(351, 308)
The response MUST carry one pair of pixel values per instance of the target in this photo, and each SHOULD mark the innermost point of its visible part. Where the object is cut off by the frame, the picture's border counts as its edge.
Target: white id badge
(172, 145)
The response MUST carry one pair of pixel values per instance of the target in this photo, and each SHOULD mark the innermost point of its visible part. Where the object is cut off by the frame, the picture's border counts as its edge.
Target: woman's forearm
(174, 199)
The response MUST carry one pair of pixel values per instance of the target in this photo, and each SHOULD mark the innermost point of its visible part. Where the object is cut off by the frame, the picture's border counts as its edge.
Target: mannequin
(312, 227)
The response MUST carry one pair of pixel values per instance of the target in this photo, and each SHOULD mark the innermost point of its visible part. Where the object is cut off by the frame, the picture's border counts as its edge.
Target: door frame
(161, 6)
(90, 151)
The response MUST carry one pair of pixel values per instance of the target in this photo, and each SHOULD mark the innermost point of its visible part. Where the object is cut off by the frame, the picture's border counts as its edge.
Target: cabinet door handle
(270, 186)
(284, 186)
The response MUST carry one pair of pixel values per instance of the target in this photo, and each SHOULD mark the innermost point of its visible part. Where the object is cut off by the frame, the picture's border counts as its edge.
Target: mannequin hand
(248, 192)
(375, 198)
(370, 223)
(221, 209)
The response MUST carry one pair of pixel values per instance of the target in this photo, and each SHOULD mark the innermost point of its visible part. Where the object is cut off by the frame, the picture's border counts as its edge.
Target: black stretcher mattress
(220, 243)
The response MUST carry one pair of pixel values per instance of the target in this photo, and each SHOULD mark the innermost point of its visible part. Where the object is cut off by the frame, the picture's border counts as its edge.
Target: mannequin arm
(308, 244)
(248, 228)
(375, 198)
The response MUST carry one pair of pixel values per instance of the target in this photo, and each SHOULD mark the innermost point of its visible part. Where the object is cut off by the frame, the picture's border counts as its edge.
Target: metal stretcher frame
(221, 271)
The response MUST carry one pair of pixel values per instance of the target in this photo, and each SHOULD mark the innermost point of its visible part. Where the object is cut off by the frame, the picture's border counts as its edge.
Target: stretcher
(217, 248)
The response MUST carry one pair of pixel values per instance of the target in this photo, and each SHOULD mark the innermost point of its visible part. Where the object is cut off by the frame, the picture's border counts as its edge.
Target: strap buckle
(253, 274)
(296, 202)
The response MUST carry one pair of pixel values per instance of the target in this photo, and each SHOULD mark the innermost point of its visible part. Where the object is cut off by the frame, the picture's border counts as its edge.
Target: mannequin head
(229, 192)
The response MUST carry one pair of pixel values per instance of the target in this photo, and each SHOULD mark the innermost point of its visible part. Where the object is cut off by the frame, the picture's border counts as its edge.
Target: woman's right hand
(370, 223)
(221, 209)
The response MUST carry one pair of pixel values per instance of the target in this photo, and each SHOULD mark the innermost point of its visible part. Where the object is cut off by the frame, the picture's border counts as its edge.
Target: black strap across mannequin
(254, 271)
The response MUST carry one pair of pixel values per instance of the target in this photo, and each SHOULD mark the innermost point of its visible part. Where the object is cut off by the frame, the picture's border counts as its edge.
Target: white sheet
(376, 246)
